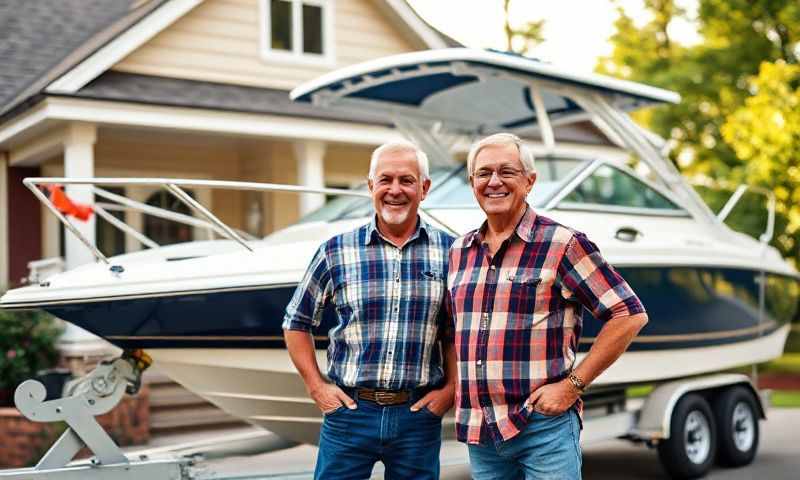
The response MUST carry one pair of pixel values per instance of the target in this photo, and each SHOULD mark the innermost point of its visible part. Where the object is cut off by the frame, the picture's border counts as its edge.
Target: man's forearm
(612, 341)
(301, 350)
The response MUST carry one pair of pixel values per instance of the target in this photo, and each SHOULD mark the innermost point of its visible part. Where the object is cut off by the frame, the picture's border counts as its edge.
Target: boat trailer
(97, 393)
(651, 420)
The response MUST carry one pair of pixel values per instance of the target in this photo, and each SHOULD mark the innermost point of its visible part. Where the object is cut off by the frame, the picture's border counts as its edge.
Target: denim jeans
(351, 441)
(547, 449)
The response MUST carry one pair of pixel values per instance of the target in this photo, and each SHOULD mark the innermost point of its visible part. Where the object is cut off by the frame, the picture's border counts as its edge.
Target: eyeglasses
(484, 175)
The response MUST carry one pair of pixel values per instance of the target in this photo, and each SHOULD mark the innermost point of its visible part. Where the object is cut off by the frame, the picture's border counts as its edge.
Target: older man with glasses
(518, 285)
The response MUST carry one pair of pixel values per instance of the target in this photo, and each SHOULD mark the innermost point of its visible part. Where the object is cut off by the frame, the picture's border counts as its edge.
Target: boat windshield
(451, 190)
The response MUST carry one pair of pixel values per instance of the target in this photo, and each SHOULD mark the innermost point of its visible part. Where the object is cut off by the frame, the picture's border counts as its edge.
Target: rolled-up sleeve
(587, 278)
(304, 311)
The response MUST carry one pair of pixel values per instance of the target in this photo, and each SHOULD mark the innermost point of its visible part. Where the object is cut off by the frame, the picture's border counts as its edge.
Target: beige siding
(346, 165)
(220, 41)
(137, 158)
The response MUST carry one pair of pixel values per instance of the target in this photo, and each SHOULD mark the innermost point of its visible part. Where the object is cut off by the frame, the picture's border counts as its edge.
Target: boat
(209, 312)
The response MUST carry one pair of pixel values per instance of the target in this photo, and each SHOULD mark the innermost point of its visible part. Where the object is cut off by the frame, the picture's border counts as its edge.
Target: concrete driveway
(778, 459)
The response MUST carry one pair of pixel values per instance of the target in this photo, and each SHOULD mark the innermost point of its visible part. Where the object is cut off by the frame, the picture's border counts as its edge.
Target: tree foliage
(714, 78)
(523, 38)
(765, 134)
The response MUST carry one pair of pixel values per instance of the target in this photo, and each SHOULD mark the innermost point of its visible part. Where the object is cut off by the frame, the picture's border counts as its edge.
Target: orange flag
(66, 206)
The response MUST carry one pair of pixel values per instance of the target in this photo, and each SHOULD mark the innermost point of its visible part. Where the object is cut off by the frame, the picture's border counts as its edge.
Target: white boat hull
(262, 387)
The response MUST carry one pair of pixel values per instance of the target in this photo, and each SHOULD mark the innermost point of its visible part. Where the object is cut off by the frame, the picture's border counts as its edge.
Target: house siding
(220, 41)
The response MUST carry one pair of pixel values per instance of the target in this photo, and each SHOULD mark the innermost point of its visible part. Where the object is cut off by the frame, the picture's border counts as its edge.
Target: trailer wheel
(692, 444)
(736, 414)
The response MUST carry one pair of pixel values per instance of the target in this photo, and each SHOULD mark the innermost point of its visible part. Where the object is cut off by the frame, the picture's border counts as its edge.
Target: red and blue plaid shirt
(518, 319)
(390, 304)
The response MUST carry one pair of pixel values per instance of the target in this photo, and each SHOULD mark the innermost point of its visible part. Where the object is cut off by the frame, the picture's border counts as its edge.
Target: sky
(576, 31)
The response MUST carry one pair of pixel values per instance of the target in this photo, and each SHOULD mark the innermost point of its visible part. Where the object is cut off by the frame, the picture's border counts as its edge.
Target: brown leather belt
(384, 397)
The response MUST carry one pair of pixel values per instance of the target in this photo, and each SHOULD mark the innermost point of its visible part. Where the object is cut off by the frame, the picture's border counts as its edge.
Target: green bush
(27, 345)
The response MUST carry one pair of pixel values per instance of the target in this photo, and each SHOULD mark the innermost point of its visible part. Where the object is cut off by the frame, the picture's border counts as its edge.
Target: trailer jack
(92, 395)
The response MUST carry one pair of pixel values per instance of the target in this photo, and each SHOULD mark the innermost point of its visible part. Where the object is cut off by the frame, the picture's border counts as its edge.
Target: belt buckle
(385, 398)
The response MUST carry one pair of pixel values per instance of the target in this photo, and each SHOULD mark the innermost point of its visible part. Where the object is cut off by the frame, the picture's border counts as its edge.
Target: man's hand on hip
(437, 401)
(554, 398)
(329, 397)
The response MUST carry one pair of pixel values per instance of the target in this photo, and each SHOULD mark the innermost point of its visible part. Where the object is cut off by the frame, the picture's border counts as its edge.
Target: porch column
(79, 141)
(79, 162)
(4, 201)
(310, 172)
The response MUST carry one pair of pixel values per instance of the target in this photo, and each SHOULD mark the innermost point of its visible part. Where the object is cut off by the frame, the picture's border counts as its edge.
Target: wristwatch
(580, 385)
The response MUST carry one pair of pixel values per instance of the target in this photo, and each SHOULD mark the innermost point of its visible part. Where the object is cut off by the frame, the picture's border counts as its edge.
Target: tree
(713, 78)
(765, 134)
(521, 39)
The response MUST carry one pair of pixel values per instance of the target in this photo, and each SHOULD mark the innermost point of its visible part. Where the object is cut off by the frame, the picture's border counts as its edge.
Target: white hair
(400, 146)
(502, 139)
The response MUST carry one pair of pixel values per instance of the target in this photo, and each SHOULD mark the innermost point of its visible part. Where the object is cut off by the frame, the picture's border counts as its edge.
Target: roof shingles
(35, 36)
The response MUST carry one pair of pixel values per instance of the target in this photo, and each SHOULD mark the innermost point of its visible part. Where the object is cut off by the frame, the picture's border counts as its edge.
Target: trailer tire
(690, 450)
(736, 415)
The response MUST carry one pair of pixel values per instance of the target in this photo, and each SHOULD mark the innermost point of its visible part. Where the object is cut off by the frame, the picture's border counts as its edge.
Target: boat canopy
(473, 91)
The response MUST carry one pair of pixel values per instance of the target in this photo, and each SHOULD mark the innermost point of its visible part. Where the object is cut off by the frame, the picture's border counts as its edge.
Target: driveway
(778, 458)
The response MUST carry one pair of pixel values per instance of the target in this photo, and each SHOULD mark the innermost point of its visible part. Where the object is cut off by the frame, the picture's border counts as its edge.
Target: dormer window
(297, 30)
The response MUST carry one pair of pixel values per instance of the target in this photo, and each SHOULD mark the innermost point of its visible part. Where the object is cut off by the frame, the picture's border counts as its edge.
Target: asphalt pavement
(778, 459)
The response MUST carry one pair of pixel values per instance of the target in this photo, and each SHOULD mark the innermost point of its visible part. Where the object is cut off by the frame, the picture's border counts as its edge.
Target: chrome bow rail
(176, 188)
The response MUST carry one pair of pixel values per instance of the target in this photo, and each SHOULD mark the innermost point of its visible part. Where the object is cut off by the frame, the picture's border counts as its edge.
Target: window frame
(559, 203)
(297, 55)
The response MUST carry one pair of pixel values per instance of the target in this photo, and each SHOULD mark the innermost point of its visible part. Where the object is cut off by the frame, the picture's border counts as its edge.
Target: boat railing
(174, 186)
(734, 199)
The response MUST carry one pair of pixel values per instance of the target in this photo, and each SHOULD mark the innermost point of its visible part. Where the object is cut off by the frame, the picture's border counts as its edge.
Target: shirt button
(479, 362)
(396, 309)
(492, 267)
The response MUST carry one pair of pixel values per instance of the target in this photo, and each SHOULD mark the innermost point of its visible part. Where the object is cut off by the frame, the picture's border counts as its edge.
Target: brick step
(173, 395)
(173, 408)
(200, 417)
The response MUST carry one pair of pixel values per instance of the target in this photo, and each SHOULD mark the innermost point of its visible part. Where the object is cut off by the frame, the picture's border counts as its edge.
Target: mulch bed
(778, 381)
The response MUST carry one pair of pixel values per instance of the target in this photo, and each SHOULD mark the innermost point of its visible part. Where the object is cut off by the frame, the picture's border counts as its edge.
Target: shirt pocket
(522, 300)
(428, 289)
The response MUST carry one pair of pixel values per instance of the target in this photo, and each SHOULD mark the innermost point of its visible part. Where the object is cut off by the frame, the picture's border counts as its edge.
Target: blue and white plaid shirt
(390, 304)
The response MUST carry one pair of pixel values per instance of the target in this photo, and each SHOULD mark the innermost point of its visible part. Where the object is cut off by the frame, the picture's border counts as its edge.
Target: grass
(786, 398)
(789, 363)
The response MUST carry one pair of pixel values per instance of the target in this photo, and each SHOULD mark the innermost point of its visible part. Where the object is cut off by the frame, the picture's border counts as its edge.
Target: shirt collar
(373, 233)
(524, 228)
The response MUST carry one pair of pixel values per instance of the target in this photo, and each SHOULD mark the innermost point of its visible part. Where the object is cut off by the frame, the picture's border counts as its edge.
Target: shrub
(27, 345)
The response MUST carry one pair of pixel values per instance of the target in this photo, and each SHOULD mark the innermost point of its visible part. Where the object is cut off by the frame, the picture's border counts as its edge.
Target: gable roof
(39, 40)
(59, 46)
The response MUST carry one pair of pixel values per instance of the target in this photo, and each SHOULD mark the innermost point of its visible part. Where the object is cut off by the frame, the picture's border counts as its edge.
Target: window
(297, 30)
(611, 187)
(163, 231)
(110, 239)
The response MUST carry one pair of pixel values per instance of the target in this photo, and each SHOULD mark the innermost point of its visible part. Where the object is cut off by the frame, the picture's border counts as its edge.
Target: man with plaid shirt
(391, 362)
(517, 286)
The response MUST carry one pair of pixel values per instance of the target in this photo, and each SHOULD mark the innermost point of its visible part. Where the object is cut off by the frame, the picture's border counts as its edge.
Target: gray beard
(393, 218)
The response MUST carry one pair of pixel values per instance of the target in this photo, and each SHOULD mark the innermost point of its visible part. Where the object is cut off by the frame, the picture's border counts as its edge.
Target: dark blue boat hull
(688, 307)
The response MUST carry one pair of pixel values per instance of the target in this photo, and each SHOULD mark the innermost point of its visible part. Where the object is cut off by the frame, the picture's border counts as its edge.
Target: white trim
(4, 245)
(248, 124)
(296, 55)
(104, 58)
(495, 59)
(24, 122)
(417, 25)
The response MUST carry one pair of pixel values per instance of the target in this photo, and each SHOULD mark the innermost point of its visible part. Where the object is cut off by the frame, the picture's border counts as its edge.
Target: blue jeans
(547, 449)
(407, 442)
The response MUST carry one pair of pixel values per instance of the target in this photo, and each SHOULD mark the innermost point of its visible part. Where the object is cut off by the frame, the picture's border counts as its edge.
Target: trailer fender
(656, 413)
